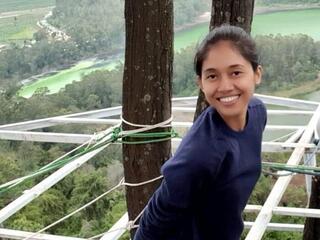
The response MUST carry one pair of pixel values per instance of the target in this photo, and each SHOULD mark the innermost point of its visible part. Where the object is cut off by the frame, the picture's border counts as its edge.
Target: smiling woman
(202, 196)
(228, 81)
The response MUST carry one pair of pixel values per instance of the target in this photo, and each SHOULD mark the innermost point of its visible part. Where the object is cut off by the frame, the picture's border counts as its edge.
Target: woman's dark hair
(241, 40)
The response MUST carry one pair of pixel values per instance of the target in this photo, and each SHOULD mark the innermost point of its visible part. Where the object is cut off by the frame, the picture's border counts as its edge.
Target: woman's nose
(226, 84)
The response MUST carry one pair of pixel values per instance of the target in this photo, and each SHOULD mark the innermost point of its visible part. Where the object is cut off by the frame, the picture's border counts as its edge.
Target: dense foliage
(94, 178)
(93, 25)
(295, 196)
(96, 28)
(188, 10)
(288, 61)
(18, 63)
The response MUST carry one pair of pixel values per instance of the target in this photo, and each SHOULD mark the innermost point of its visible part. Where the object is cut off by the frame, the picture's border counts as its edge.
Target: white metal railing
(19, 131)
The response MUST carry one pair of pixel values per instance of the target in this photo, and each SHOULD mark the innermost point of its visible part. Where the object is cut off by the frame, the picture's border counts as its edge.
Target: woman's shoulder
(256, 102)
(202, 141)
(259, 110)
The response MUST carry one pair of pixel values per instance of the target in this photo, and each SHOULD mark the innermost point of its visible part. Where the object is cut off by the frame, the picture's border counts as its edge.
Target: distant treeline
(97, 176)
(287, 61)
(96, 27)
(99, 25)
(19, 63)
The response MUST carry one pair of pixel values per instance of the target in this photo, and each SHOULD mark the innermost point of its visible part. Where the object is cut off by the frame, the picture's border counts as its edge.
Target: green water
(287, 22)
(57, 81)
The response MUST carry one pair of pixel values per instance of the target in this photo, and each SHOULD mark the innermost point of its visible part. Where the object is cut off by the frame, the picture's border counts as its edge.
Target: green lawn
(20, 27)
(16, 5)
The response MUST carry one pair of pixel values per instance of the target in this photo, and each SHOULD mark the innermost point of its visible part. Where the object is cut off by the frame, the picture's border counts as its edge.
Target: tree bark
(311, 226)
(233, 12)
(147, 84)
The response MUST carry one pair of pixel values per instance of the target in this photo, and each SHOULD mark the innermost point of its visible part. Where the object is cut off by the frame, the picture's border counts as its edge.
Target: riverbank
(182, 39)
(205, 17)
(284, 7)
(298, 91)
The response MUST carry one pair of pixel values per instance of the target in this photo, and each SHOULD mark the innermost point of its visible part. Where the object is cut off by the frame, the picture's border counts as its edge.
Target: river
(287, 22)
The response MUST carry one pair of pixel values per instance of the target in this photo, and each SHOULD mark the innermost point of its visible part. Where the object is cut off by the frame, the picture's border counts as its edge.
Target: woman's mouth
(228, 99)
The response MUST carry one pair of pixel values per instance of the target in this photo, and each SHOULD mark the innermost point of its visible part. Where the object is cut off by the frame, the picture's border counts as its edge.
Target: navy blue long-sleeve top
(208, 181)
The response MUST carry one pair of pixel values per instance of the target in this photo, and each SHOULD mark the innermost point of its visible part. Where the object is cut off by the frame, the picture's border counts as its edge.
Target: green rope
(153, 137)
(114, 136)
(301, 169)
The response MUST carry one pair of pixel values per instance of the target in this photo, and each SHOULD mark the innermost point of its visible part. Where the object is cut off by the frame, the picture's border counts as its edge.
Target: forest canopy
(288, 61)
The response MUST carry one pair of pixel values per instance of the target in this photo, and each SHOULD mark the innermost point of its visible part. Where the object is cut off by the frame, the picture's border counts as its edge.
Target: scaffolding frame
(300, 144)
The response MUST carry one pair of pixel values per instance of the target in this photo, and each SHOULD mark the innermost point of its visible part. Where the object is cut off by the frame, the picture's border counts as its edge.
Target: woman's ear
(258, 75)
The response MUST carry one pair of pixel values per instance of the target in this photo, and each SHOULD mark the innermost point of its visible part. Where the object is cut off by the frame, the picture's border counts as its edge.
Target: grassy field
(20, 27)
(16, 5)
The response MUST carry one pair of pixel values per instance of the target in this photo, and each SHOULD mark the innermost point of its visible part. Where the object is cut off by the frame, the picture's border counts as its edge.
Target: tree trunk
(311, 226)
(232, 12)
(147, 84)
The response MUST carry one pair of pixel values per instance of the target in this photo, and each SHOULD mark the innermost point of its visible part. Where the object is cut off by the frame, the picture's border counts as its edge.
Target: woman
(208, 181)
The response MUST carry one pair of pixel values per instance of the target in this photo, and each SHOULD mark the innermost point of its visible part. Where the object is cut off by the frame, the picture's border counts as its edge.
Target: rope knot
(130, 225)
(115, 134)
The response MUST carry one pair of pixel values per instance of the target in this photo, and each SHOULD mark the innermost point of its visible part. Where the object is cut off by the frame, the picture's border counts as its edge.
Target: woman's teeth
(228, 99)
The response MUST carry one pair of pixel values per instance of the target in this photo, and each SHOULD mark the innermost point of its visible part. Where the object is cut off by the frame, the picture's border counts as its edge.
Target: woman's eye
(236, 73)
(211, 77)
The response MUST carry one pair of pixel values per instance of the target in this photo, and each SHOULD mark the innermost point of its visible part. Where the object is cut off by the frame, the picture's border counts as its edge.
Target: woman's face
(228, 82)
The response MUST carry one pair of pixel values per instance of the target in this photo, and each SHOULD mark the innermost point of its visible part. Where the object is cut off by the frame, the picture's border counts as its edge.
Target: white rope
(282, 137)
(121, 183)
(97, 138)
(76, 211)
(142, 183)
(145, 127)
(111, 231)
(102, 138)
(131, 224)
(17, 180)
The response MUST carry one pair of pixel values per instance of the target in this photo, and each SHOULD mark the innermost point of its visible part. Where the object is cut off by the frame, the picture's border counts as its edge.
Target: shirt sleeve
(160, 218)
(184, 180)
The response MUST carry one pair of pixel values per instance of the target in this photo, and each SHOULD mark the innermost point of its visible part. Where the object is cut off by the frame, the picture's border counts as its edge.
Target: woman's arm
(161, 217)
